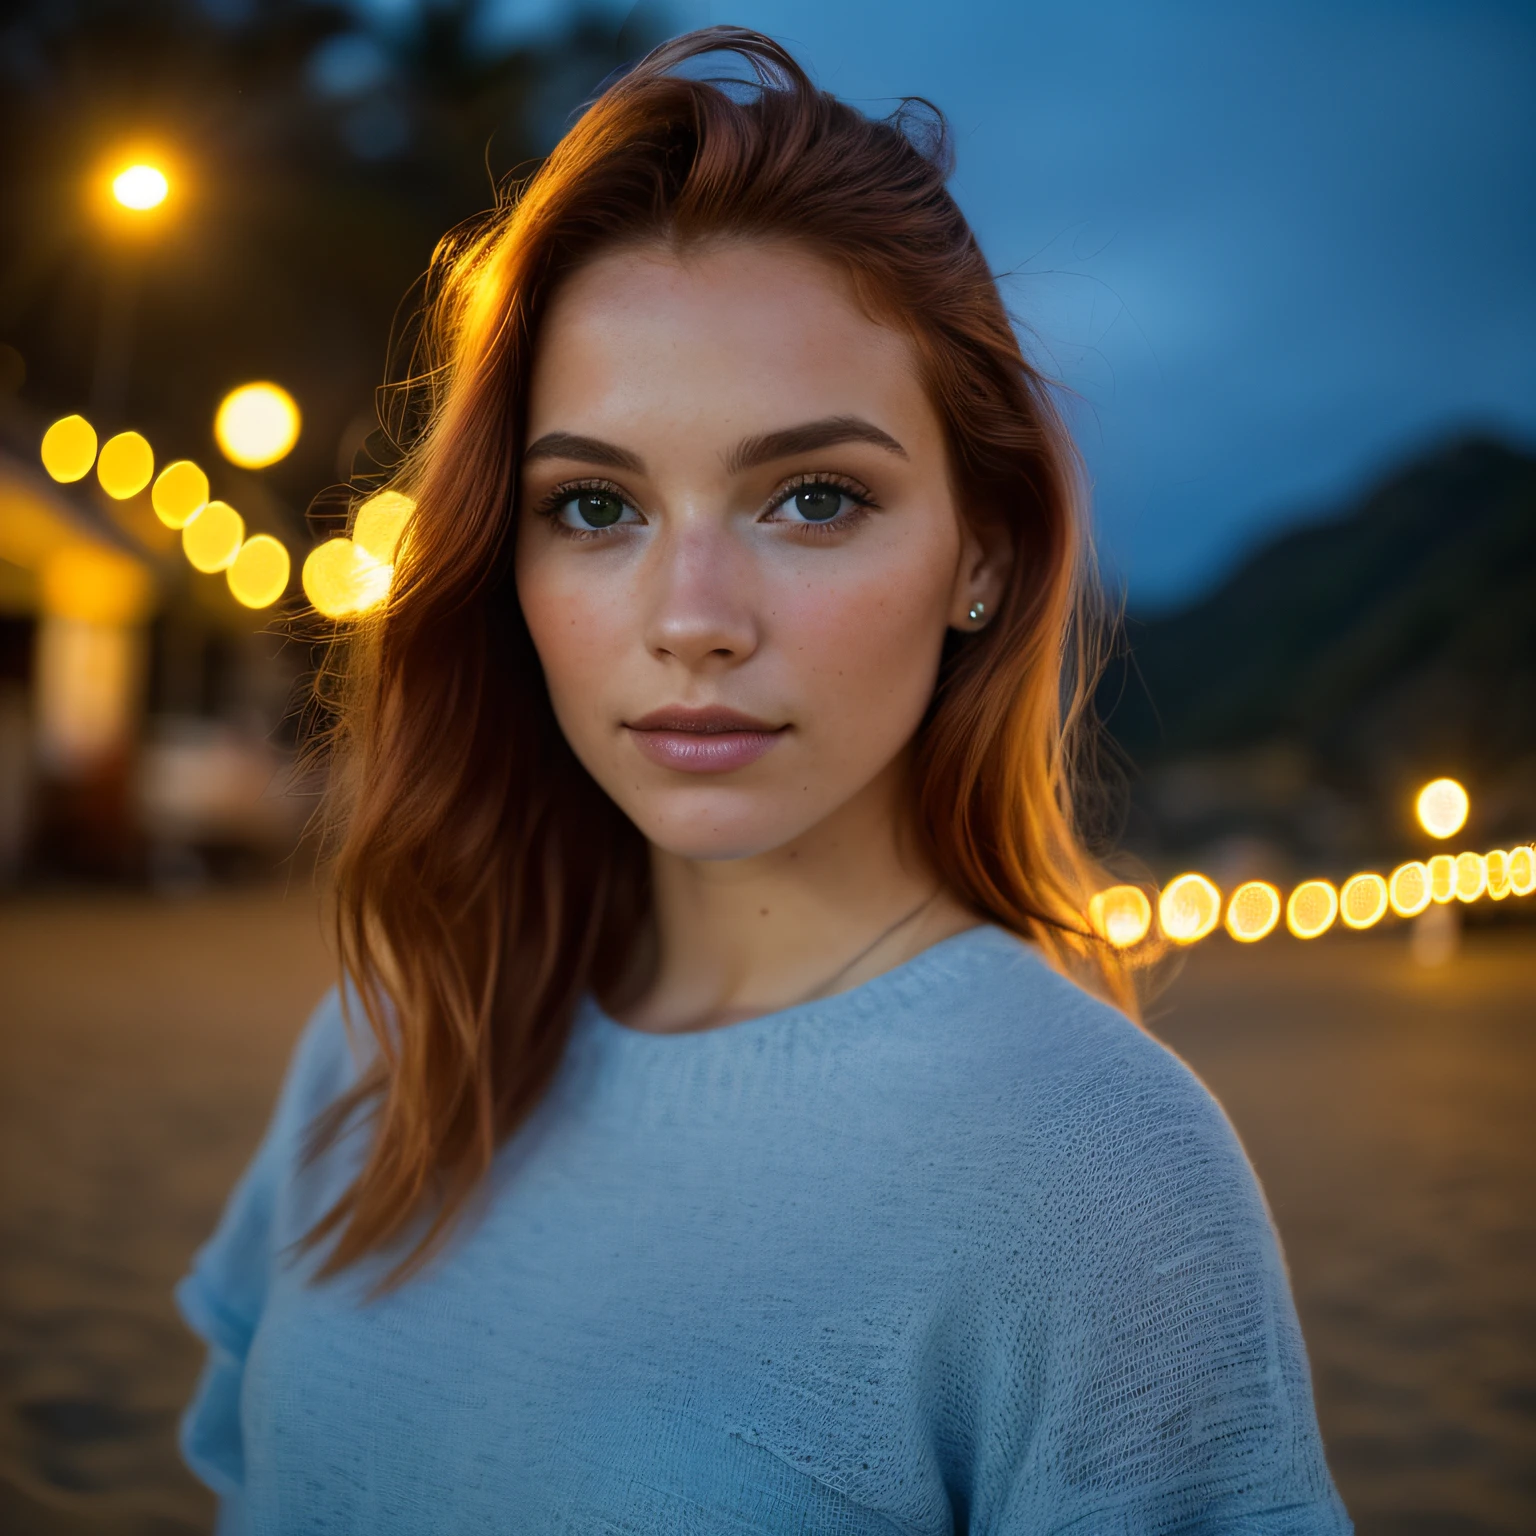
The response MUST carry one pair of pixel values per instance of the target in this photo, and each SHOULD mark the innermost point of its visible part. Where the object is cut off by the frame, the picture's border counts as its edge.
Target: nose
(699, 609)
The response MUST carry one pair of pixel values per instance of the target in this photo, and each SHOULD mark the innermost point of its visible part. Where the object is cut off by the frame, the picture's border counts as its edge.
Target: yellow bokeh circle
(212, 538)
(180, 493)
(140, 187)
(380, 522)
(1189, 908)
(256, 425)
(1122, 915)
(1442, 806)
(125, 465)
(1408, 889)
(1471, 876)
(1363, 900)
(258, 575)
(1253, 911)
(1311, 909)
(69, 449)
(343, 581)
(1442, 878)
(1522, 870)
(1497, 866)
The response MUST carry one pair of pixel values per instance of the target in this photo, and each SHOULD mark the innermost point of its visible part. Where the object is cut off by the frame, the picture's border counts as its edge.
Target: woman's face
(738, 549)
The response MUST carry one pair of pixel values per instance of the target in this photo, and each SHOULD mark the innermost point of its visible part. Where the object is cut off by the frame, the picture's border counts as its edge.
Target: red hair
(483, 881)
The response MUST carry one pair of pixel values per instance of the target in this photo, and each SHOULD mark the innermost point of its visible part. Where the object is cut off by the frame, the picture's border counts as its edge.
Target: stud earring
(978, 612)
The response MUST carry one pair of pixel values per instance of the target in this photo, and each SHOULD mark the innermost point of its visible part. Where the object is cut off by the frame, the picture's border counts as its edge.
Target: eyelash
(863, 502)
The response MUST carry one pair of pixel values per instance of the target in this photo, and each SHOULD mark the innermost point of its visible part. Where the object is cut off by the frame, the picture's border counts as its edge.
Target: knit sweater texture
(958, 1250)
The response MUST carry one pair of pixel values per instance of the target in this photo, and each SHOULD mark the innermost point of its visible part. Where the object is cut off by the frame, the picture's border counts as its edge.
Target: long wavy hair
(482, 880)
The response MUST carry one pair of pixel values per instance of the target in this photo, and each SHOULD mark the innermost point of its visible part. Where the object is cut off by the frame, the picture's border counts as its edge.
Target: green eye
(597, 509)
(818, 503)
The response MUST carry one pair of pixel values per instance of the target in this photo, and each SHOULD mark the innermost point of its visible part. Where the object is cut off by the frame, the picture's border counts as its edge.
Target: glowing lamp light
(125, 466)
(212, 538)
(69, 449)
(1408, 889)
(1497, 865)
(1312, 907)
(1442, 806)
(1189, 908)
(1122, 915)
(256, 425)
(1442, 879)
(1253, 911)
(140, 187)
(180, 493)
(1363, 900)
(380, 522)
(1522, 870)
(258, 575)
(1471, 876)
(343, 581)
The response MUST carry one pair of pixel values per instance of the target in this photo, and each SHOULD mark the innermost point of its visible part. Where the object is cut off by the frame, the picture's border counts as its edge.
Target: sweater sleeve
(1173, 1393)
(222, 1296)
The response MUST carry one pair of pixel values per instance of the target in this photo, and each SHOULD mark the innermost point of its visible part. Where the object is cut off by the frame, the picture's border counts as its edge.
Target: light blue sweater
(960, 1250)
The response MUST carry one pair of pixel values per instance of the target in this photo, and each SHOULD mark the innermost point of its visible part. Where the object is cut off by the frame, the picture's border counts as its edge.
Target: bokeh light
(212, 538)
(1189, 908)
(343, 581)
(256, 425)
(125, 465)
(140, 187)
(180, 493)
(69, 449)
(1497, 864)
(1471, 876)
(1442, 806)
(1408, 888)
(1122, 914)
(380, 522)
(1522, 870)
(1312, 907)
(1363, 900)
(1253, 911)
(258, 575)
(1442, 878)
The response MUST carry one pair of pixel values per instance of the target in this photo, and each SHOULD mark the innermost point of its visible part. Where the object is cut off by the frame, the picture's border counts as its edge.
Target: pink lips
(709, 740)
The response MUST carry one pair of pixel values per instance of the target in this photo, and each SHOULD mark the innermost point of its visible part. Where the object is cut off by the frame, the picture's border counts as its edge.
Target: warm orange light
(1497, 865)
(1471, 876)
(256, 425)
(258, 575)
(1121, 914)
(1253, 911)
(125, 465)
(212, 538)
(69, 449)
(1522, 870)
(380, 522)
(343, 581)
(1312, 907)
(1189, 908)
(1442, 878)
(1363, 900)
(140, 187)
(1442, 806)
(95, 584)
(1408, 889)
(180, 493)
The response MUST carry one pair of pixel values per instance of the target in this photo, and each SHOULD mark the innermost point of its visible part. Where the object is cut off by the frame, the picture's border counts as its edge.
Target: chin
(718, 824)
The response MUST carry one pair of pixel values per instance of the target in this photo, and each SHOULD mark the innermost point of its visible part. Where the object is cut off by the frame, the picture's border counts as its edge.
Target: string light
(1522, 870)
(1442, 806)
(1312, 907)
(125, 465)
(1363, 900)
(1189, 908)
(1442, 879)
(1471, 876)
(258, 575)
(1408, 889)
(1253, 911)
(212, 538)
(69, 449)
(1121, 914)
(179, 494)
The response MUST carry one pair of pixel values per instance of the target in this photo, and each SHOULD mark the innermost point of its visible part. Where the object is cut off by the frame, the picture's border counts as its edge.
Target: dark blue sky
(1274, 246)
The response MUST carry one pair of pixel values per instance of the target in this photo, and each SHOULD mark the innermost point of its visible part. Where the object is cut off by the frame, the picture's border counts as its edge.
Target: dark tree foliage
(319, 163)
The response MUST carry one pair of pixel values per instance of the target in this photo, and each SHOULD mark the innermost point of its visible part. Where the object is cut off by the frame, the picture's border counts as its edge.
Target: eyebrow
(747, 454)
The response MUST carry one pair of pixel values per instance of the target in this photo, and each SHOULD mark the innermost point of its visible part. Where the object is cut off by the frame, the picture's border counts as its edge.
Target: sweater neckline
(945, 959)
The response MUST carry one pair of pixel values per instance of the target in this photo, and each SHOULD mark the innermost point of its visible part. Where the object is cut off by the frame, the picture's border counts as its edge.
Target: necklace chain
(868, 949)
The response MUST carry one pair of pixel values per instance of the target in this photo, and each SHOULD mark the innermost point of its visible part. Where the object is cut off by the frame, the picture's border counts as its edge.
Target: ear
(981, 574)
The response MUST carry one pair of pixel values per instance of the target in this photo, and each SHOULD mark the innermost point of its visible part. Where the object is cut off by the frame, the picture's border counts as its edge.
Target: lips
(709, 740)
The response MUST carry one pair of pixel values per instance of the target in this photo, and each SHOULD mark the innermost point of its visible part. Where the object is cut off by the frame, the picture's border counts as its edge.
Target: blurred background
(1282, 259)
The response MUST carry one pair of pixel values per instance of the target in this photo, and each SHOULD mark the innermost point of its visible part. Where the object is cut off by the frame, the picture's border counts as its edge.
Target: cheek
(578, 623)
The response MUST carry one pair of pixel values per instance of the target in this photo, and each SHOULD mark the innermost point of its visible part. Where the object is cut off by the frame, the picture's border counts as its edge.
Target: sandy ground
(1388, 1108)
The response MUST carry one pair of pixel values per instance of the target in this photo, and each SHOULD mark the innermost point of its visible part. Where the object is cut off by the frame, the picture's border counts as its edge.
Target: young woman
(748, 1133)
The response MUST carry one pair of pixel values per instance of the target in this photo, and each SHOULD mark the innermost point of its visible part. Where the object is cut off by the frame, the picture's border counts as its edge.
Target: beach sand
(1388, 1108)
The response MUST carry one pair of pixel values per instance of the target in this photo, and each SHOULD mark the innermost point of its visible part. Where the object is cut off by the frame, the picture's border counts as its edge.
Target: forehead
(737, 332)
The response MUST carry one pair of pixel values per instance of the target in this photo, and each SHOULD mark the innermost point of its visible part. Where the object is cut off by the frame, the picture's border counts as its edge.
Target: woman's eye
(817, 503)
(594, 509)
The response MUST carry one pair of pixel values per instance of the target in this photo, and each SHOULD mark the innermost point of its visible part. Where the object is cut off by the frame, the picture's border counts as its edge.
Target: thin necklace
(873, 944)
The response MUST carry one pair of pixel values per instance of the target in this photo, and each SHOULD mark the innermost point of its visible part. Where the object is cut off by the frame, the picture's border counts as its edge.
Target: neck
(742, 937)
